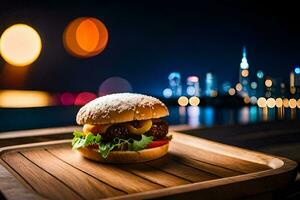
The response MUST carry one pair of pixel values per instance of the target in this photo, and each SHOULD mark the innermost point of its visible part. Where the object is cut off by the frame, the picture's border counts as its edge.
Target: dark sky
(149, 39)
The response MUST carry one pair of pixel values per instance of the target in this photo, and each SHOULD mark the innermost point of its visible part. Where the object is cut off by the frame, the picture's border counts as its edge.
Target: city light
(84, 97)
(20, 45)
(24, 98)
(297, 70)
(67, 99)
(167, 93)
(245, 73)
(246, 99)
(260, 74)
(194, 101)
(238, 87)
(253, 85)
(285, 102)
(190, 90)
(183, 101)
(231, 91)
(114, 84)
(268, 83)
(271, 103)
(85, 37)
(292, 103)
(298, 103)
(253, 100)
(262, 102)
(279, 102)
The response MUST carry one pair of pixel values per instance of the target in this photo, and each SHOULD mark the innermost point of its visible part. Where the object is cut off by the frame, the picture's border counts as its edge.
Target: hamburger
(122, 128)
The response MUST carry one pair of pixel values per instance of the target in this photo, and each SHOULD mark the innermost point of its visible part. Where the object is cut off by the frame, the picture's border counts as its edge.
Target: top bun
(121, 107)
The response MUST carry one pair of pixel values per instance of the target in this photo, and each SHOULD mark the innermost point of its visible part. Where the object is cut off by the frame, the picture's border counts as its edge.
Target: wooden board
(193, 167)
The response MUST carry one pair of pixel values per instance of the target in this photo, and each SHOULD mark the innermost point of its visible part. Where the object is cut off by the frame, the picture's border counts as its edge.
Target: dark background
(149, 39)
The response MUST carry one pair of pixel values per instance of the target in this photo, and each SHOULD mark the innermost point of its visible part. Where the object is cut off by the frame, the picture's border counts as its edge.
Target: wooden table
(37, 164)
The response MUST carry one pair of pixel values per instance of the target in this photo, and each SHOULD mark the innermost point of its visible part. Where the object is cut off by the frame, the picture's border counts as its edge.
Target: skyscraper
(175, 84)
(244, 74)
(211, 85)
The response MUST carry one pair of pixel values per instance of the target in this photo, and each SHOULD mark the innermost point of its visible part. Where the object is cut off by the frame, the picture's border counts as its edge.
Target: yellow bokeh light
(298, 103)
(292, 103)
(268, 83)
(245, 73)
(194, 101)
(285, 102)
(24, 98)
(262, 102)
(271, 102)
(279, 102)
(238, 87)
(183, 101)
(231, 91)
(20, 45)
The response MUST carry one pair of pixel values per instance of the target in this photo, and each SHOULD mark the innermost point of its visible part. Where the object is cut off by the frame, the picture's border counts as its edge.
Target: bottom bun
(126, 156)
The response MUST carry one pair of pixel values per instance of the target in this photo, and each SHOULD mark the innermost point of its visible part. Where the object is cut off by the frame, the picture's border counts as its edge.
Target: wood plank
(154, 175)
(109, 174)
(207, 167)
(224, 161)
(166, 164)
(85, 185)
(40, 181)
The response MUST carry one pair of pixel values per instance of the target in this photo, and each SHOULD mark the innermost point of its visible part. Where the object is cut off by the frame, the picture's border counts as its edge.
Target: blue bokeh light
(297, 70)
(167, 93)
(260, 74)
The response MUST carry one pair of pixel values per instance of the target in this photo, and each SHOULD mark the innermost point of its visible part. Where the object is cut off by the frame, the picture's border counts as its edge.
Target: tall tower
(244, 74)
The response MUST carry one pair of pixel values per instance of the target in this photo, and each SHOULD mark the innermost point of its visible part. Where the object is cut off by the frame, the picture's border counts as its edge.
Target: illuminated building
(175, 84)
(244, 74)
(211, 86)
(193, 88)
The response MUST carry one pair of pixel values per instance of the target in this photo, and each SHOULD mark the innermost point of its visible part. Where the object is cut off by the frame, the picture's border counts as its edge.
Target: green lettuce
(80, 141)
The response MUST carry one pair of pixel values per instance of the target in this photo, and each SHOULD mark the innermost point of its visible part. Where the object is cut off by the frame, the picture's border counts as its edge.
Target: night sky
(150, 39)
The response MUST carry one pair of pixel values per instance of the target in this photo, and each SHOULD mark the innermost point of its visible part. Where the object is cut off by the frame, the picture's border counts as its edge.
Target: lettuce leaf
(80, 140)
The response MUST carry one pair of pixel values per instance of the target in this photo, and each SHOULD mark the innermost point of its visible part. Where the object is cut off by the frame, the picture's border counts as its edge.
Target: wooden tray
(194, 167)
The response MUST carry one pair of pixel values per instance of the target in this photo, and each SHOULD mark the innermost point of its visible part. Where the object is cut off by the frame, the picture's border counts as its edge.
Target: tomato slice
(93, 146)
(158, 143)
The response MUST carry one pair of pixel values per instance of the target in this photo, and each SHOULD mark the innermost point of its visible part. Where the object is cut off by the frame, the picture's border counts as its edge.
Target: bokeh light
(231, 91)
(271, 102)
(67, 99)
(259, 74)
(253, 99)
(253, 85)
(183, 101)
(262, 102)
(24, 98)
(298, 103)
(245, 73)
(20, 45)
(268, 83)
(84, 97)
(194, 101)
(279, 102)
(246, 99)
(238, 87)
(293, 103)
(85, 37)
(297, 70)
(285, 102)
(114, 85)
(167, 93)
(190, 90)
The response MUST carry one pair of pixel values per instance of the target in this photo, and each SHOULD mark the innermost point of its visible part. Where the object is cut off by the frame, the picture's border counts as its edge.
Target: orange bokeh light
(85, 37)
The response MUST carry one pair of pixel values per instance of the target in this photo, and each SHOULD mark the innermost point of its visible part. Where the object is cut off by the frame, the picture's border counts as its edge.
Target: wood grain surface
(193, 167)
